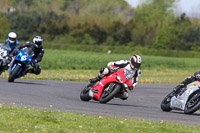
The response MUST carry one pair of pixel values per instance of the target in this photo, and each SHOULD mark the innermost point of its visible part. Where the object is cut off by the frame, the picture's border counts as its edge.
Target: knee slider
(106, 71)
(37, 70)
(101, 70)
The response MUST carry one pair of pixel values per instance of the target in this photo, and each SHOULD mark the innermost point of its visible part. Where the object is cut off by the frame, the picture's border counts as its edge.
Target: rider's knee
(124, 96)
(37, 71)
(104, 72)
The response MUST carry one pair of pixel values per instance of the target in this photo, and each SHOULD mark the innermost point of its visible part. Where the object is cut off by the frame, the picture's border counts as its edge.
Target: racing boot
(103, 72)
(178, 88)
(123, 95)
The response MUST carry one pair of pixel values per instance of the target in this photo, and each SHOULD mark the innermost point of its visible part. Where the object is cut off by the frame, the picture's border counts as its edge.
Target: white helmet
(12, 37)
(37, 40)
(135, 62)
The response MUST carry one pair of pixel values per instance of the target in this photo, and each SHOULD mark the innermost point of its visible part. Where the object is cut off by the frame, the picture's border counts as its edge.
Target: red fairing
(97, 89)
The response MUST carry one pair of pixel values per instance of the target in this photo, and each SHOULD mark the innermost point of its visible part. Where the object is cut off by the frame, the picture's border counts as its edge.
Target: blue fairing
(23, 59)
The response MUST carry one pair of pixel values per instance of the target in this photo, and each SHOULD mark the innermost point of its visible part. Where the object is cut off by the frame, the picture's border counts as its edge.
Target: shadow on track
(116, 104)
(21, 82)
(126, 105)
(181, 112)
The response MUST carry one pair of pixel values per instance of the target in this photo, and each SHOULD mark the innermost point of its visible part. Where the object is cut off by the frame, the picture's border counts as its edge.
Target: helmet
(12, 37)
(37, 40)
(135, 62)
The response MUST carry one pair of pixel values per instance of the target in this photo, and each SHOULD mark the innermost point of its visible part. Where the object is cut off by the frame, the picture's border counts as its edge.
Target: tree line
(101, 22)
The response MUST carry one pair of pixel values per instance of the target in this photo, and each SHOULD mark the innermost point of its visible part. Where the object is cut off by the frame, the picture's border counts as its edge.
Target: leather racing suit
(134, 74)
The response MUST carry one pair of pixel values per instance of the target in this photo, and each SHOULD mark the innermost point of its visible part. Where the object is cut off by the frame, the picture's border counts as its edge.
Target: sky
(190, 7)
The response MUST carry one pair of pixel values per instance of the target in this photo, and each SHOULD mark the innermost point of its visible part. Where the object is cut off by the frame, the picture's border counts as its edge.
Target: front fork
(12, 67)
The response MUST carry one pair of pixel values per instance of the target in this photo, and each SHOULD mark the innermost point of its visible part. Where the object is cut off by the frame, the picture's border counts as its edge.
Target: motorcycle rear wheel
(13, 75)
(106, 96)
(193, 103)
(84, 95)
(165, 104)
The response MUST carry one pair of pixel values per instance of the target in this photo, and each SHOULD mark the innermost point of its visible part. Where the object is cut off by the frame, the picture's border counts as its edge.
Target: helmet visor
(38, 43)
(134, 64)
(12, 39)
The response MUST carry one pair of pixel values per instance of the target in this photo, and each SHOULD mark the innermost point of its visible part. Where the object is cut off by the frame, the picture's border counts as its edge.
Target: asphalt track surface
(143, 102)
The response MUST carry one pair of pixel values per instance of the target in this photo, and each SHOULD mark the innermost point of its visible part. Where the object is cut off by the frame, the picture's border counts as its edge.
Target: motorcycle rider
(187, 81)
(38, 50)
(132, 65)
(12, 41)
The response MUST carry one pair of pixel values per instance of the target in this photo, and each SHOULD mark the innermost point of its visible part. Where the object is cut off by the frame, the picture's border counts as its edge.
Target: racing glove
(15, 52)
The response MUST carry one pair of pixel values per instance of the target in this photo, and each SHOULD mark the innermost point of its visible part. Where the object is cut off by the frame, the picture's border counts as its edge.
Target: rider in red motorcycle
(133, 66)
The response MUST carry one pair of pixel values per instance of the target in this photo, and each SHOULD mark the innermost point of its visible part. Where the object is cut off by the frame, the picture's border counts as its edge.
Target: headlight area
(119, 79)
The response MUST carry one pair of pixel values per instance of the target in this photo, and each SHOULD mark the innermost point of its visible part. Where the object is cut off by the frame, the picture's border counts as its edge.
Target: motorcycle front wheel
(84, 95)
(193, 103)
(110, 92)
(13, 75)
(165, 104)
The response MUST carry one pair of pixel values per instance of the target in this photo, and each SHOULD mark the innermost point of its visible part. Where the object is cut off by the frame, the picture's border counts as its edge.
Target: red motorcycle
(108, 87)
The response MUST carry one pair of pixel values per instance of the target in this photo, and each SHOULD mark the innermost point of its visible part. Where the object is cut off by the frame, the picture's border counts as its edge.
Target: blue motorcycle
(20, 63)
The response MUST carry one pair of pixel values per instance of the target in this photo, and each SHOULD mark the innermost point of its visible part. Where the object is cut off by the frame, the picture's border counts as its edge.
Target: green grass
(81, 66)
(62, 59)
(148, 76)
(20, 120)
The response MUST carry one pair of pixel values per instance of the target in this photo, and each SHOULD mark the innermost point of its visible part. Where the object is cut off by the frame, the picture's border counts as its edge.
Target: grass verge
(20, 120)
(76, 60)
(167, 76)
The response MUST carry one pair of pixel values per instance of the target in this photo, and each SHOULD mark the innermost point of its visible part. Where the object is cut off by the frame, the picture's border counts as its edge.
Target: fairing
(96, 90)
(24, 58)
(179, 102)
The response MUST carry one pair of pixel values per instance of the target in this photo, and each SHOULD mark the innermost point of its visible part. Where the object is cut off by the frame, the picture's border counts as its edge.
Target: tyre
(13, 75)
(193, 103)
(84, 96)
(110, 92)
(165, 104)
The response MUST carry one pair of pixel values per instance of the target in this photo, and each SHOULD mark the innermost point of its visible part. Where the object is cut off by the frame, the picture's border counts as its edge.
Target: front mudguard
(15, 73)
